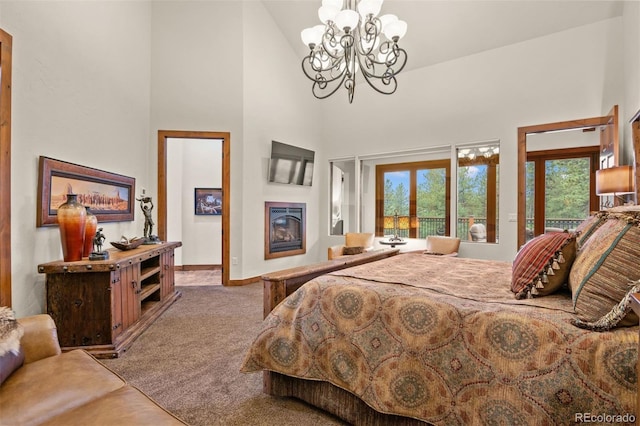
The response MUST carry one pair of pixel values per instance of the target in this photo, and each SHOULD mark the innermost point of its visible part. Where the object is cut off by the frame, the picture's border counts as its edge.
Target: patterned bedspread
(443, 339)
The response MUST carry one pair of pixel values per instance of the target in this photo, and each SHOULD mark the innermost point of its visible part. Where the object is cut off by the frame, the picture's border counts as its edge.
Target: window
(559, 190)
(418, 193)
(478, 167)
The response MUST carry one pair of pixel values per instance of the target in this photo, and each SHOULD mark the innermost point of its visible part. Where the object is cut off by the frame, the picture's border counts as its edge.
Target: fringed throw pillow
(588, 226)
(542, 265)
(604, 266)
(11, 357)
(612, 318)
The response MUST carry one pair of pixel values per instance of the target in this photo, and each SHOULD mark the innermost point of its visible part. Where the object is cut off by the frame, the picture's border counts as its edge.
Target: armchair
(354, 243)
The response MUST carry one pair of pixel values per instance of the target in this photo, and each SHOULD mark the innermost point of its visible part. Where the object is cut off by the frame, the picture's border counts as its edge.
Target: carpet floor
(198, 278)
(189, 361)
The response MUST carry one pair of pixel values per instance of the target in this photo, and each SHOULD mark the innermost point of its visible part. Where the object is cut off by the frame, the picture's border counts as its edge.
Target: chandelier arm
(313, 77)
(400, 52)
(331, 92)
(329, 37)
(370, 64)
(391, 83)
(371, 33)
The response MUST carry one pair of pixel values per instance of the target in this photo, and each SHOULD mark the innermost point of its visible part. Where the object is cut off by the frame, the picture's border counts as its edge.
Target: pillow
(614, 316)
(542, 265)
(588, 226)
(11, 356)
(9, 363)
(606, 267)
(352, 250)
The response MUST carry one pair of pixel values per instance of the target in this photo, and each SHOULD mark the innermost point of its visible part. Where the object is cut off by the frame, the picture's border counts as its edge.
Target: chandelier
(478, 155)
(351, 42)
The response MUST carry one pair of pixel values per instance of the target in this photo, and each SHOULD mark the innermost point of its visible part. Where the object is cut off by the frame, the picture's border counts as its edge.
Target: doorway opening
(608, 125)
(186, 136)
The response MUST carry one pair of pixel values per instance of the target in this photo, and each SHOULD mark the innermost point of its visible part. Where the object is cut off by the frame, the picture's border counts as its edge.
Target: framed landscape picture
(110, 196)
(208, 201)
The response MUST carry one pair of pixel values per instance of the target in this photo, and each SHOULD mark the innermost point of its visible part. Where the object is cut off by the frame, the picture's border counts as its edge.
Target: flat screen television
(290, 164)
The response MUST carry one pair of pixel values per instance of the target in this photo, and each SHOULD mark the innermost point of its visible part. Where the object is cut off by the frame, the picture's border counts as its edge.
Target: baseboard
(244, 281)
(198, 267)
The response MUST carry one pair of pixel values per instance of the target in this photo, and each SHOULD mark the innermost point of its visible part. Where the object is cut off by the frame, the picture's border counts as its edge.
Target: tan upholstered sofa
(354, 243)
(72, 388)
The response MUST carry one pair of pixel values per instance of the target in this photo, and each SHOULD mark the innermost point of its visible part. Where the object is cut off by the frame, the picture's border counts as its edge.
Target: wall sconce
(615, 181)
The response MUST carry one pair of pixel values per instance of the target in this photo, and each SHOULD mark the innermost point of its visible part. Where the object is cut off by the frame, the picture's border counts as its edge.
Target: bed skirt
(332, 399)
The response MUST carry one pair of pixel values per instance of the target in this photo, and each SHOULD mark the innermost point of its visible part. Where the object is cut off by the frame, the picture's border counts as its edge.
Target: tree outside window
(418, 193)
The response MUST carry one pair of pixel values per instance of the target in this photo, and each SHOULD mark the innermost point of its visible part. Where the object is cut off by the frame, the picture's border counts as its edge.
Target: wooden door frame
(635, 141)
(522, 155)
(6, 42)
(539, 157)
(163, 135)
(412, 167)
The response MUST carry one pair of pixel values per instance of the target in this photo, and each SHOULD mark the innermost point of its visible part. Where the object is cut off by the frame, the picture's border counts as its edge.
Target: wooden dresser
(103, 306)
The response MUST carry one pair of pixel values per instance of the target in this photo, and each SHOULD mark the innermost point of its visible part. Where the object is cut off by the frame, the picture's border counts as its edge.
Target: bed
(415, 338)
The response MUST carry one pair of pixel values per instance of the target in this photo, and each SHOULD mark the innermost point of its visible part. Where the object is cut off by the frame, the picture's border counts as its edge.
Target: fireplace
(284, 227)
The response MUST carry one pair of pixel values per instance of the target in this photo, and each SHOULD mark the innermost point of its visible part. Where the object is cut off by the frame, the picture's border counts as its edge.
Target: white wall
(80, 94)
(278, 106)
(230, 79)
(571, 74)
(197, 84)
(193, 163)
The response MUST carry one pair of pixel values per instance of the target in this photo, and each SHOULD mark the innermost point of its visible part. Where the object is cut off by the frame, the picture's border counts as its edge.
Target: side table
(393, 243)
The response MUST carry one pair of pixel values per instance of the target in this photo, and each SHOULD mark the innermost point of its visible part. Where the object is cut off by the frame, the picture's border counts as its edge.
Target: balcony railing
(437, 225)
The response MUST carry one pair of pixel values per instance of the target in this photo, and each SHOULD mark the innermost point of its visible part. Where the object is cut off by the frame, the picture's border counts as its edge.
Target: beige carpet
(189, 362)
(199, 278)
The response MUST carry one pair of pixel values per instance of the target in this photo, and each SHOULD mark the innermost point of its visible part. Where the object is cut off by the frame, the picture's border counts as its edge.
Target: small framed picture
(208, 201)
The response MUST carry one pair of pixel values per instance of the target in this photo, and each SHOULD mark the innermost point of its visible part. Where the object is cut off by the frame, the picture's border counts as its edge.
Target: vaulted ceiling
(440, 31)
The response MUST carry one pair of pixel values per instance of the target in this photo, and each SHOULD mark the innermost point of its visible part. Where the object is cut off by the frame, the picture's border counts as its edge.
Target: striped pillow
(588, 227)
(542, 265)
(606, 268)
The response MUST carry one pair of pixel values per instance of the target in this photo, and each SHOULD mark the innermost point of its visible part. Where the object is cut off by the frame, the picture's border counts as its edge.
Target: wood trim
(163, 135)
(492, 201)
(635, 139)
(412, 168)
(244, 281)
(5, 168)
(539, 159)
(198, 268)
(612, 134)
(280, 284)
(522, 159)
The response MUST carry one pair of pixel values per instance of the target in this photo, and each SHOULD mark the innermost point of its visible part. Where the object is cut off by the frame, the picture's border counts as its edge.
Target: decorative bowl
(127, 244)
